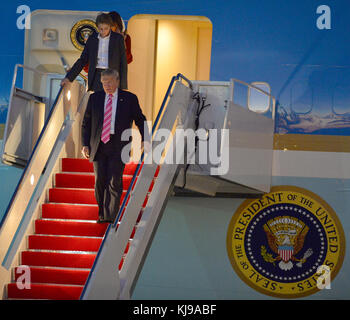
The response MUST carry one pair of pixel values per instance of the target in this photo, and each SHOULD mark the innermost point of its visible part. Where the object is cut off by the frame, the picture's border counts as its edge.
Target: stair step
(84, 165)
(55, 275)
(63, 243)
(67, 238)
(79, 196)
(45, 291)
(86, 196)
(77, 165)
(72, 180)
(63, 195)
(69, 211)
(73, 228)
(57, 259)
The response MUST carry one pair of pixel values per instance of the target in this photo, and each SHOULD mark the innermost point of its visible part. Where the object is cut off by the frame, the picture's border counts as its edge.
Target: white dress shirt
(102, 54)
(114, 108)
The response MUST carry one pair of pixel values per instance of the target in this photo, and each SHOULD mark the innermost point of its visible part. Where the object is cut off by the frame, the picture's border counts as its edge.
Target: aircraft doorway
(162, 46)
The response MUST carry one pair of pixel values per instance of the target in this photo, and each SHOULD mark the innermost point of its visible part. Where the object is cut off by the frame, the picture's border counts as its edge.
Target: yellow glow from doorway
(163, 46)
(165, 39)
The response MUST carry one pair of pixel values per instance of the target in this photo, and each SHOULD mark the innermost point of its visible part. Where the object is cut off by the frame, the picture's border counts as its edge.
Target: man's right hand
(86, 152)
(64, 82)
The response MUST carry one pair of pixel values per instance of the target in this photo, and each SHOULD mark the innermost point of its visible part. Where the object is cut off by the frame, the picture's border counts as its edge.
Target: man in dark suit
(103, 50)
(108, 114)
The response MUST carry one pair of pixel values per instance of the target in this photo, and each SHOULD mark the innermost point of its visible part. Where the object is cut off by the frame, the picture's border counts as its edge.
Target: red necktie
(106, 129)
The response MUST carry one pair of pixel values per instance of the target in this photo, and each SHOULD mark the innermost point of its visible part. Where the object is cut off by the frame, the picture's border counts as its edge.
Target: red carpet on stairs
(62, 251)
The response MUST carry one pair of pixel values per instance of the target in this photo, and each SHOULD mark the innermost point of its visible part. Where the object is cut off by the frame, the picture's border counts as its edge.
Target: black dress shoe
(100, 220)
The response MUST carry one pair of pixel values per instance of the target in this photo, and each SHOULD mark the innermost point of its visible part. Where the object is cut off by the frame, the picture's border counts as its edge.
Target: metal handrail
(253, 87)
(256, 88)
(40, 164)
(31, 69)
(31, 156)
(122, 207)
(14, 79)
(160, 112)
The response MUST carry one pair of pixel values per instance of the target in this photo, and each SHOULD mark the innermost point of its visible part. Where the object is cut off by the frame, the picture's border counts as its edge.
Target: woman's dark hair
(104, 18)
(116, 18)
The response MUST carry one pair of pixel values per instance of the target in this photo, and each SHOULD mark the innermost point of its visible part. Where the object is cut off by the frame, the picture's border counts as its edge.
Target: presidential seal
(81, 32)
(287, 244)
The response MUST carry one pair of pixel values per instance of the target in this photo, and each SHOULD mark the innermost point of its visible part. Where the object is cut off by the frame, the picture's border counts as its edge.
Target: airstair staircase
(63, 248)
(53, 248)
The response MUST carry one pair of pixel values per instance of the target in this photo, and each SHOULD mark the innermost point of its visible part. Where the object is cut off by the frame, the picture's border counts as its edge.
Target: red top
(128, 48)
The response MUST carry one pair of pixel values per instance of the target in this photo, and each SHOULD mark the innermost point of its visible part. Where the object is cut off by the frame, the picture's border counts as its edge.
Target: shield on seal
(285, 252)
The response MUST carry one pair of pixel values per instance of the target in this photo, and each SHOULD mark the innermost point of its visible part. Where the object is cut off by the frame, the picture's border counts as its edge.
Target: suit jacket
(116, 58)
(128, 110)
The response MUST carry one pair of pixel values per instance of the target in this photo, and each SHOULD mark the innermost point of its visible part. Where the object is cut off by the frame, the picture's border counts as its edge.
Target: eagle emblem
(81, 32)
(282, 246)
(285, 237)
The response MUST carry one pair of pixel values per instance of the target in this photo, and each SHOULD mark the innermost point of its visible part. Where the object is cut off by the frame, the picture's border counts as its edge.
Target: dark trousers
(108, 169)
(96, 82)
